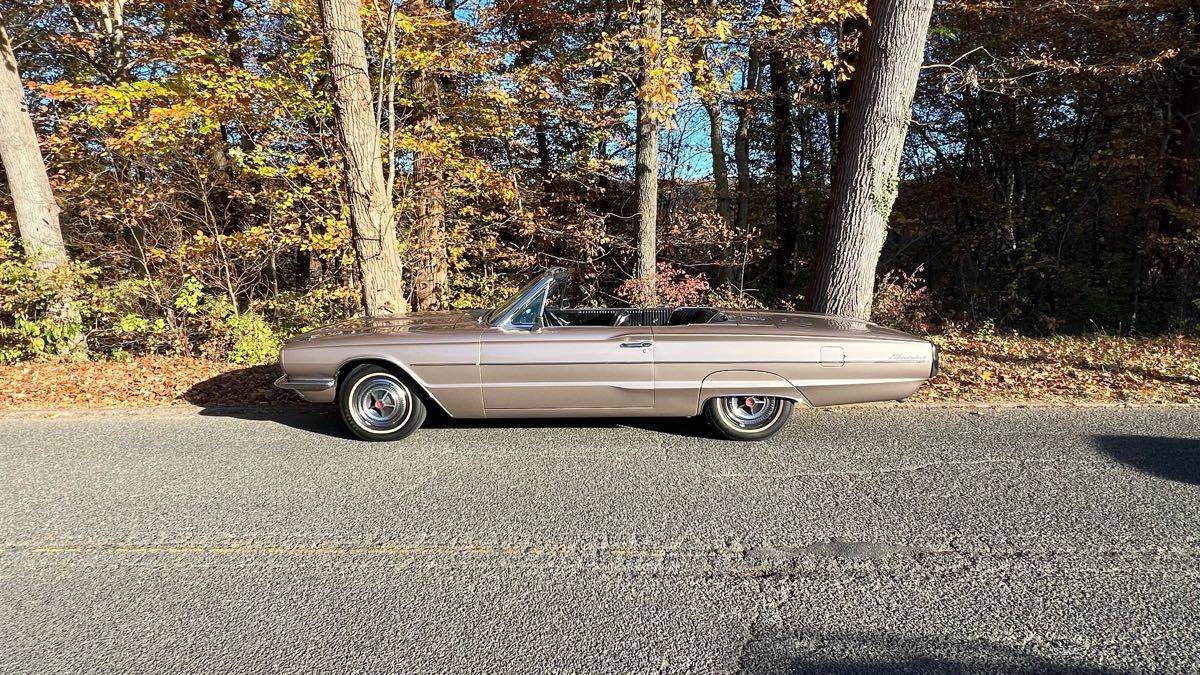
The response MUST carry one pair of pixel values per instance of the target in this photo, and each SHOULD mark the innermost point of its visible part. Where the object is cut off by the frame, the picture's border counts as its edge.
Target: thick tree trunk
(781, 134)
(849, 33)
(33, 199)
(371, 221)
(431, 276)
(868, 162)
(646, 172)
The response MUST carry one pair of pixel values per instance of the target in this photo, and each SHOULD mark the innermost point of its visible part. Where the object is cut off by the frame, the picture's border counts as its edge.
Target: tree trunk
(781, 133)
(868, 161)
(741, 160)
(371, 222)
(431, 278)
(716, 146)
(850, 32)
(1181, 180)
(646, 173)
(716, 137)
(33, 199)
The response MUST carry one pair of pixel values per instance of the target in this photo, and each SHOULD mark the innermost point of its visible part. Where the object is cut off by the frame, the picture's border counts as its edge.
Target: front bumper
(313, 389)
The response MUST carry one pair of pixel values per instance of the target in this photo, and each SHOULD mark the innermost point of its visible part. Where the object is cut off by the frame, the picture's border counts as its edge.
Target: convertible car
(534, 357)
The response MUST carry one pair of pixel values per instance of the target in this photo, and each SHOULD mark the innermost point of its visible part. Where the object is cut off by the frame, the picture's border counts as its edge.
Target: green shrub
(32, 321)
(252, 340)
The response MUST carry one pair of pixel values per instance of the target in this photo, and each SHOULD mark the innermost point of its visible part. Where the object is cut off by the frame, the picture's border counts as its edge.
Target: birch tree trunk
(646, 172)
(868, 160)
(371, 218)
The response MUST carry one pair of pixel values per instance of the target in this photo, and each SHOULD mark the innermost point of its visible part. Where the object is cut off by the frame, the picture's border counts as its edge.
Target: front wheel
(748, 418)
(377, 405)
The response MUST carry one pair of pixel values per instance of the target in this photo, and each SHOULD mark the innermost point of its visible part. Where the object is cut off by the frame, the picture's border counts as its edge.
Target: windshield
(511, 303)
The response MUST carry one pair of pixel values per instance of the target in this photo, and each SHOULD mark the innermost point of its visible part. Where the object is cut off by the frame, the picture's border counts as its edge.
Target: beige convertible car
(534, 357)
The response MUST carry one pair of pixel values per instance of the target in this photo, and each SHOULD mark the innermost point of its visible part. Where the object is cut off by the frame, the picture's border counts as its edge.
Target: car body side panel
(447, 371)
(587, 368)
(684, 356)
(871, 369)
(743, 382)
(861, 382)
(825, 370)
(439, 351)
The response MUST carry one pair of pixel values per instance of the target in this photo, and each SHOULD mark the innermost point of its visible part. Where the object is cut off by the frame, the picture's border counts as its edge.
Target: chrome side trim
(305, 383)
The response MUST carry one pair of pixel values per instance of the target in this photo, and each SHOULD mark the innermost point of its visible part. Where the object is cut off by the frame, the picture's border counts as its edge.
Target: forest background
(1046, 197)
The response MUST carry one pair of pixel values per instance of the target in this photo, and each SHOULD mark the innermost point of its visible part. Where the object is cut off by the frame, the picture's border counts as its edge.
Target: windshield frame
(542, 285)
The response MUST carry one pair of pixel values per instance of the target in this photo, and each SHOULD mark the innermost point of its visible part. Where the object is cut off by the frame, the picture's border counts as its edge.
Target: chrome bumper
(305, 383)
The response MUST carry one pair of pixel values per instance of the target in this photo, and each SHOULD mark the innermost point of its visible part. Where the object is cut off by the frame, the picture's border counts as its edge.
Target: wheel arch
(749, 382)
(399, 370)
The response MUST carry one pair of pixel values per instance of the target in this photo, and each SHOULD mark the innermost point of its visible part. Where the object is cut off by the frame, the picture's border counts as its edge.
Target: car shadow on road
(316, 419)
(325, 420)
(1176, 459)
(687, 427)
(248, 393)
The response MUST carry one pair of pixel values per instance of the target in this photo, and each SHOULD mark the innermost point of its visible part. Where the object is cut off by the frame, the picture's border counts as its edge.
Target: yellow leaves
(603, 51)
(698, 27)
(498, 95)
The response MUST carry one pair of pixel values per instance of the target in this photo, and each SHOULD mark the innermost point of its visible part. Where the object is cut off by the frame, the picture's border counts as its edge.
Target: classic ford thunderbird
(534, 357)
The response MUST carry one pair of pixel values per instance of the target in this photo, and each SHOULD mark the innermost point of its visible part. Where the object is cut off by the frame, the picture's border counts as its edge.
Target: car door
(585, 368)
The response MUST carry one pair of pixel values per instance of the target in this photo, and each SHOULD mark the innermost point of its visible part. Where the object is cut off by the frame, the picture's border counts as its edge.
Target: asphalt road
(868, 540)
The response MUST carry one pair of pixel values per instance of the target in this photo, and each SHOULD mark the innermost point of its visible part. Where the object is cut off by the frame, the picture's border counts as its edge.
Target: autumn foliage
(1050, 181)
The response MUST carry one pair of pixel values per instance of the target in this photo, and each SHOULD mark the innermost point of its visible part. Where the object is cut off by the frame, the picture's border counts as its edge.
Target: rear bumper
(313, 389)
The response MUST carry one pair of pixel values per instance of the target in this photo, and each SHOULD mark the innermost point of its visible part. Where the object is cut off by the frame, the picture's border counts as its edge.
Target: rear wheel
(377, 405)
(748, 418)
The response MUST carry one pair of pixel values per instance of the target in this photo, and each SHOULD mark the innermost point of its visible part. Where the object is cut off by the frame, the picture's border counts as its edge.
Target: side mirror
(538, 324)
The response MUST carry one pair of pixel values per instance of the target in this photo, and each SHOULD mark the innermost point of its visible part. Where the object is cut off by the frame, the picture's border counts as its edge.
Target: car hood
(408, 324)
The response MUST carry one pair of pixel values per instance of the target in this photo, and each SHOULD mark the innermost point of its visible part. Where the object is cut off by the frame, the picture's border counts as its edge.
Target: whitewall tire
(748, 418)
(378, 405)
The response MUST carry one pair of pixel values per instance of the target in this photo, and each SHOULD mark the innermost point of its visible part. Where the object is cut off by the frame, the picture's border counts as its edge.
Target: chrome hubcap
(380, 402)
(750, 412)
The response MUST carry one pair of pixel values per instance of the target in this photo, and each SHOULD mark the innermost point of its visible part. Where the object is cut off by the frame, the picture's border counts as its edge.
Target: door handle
(639, 344)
